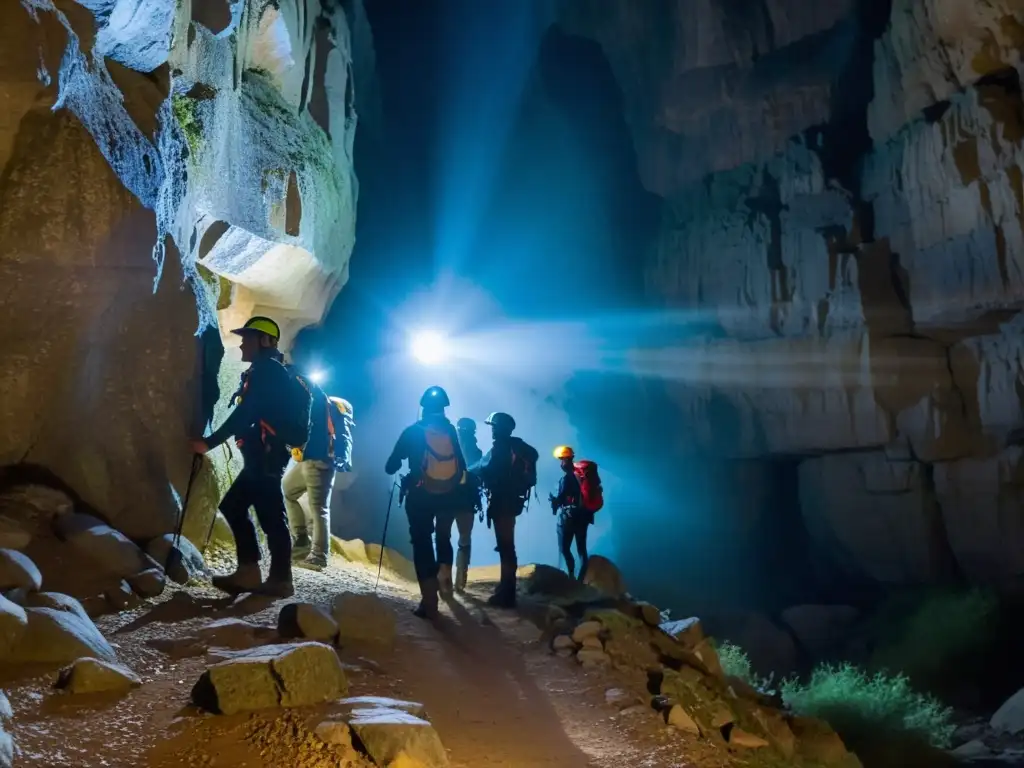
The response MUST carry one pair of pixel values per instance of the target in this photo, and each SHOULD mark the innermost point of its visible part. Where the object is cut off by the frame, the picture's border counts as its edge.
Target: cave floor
(493, 691)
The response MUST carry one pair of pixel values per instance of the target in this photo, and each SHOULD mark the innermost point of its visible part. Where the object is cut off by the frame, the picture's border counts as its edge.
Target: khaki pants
(315, 478)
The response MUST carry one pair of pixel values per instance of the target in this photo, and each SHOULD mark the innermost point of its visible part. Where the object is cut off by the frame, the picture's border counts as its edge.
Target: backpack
(590, 486)
(341, 437)
(523, 472)
(440, 472)
(291, 422)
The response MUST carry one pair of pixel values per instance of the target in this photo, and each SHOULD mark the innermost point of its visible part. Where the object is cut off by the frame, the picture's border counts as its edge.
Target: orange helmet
(564, 452)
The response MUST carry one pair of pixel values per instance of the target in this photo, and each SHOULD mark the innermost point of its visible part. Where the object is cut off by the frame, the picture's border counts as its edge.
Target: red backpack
(590, 485)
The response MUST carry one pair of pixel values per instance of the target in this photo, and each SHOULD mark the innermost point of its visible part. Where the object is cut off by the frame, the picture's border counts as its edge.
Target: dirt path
(494, 694)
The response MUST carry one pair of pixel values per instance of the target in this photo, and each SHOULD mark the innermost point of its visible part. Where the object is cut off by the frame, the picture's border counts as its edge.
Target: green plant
(865, 707)
(186, 113)
(736, 663)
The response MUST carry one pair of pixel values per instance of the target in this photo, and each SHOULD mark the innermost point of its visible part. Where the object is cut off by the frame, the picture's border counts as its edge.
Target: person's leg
(465, 525)
(293, 486)
(581, 527)
(565, 532)
(269, 504)
(445, 555)
(235, 508)
(319, 479)
(421, 530)
(505, 535)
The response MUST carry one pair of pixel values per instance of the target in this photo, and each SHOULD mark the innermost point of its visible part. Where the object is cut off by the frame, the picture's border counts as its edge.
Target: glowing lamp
(318, 377)
(429, 347)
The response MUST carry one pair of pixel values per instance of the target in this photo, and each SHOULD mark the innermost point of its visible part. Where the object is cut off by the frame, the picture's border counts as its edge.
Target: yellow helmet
(261, 325)
(564, 452)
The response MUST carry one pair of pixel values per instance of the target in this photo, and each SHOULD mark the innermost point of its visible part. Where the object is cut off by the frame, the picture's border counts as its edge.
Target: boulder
(394, 737)
(820, 628)
(18, 572)
(148, 583)
(604, 576)
(304, 620)
(288, 675)
(110, 549)
(60, 636)
(363, 618)
(587, 629)
(1009, 718)
(13, 623)
(369, 702)
(183, 562)
(58, 601)
(650, 614)
(35, 502)
(95, 676)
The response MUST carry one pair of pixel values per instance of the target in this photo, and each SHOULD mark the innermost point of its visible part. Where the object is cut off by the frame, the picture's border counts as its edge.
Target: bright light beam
(429, 347)
(318, 377)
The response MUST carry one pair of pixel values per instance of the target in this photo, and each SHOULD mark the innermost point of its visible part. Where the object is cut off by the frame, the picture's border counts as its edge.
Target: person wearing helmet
(434, 486)
(508, 472)
(462, 517)
(264, 458)
(312, 473)
(573, 520)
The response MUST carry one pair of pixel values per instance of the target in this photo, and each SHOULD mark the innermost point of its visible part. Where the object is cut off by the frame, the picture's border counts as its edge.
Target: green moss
(219, 286)
(186, 112)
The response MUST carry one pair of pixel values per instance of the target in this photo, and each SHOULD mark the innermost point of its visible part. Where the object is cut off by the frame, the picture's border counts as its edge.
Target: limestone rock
(392, 736)
(110, 549)
(820, 628)
(1009, 718)
(687, 631)
(30, 501)
(186, 562)
(587, 629)
(679, 719)
(291, 675)
(61, 637)
(148, 583)
(370, 702)
(13, 623)
(18, 572)
(57, 601)
(740, 738)
(363, 618)
(95, 676)
(591, 657)
(335, 733)
(234, 633)
(306, 621)
(649, 613)
(593, 642)
(604, 576)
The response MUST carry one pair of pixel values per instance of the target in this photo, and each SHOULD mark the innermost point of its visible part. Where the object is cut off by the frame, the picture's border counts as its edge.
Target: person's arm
(399, 454)
(246, 412)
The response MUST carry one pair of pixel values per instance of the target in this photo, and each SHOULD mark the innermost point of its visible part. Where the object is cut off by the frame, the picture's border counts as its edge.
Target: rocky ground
(568, 680)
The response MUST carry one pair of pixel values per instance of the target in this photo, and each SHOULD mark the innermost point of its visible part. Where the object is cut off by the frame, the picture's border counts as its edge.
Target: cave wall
(842, 202)
(166, 169)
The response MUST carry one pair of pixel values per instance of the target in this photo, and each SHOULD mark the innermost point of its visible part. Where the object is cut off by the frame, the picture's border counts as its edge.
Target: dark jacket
(470, 449)
(495, 468)
(318, 447)
(255, 399)
(569, 493)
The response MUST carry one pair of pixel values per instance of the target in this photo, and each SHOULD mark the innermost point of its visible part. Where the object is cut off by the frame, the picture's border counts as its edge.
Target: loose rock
(148, 583)
(60, 636)
(306, 621)
(680, 719)
(110, 549)
(18, 572)
(394, 737)
(363, 618)
(593, 642)
(740, 738)
(369, 702)
(13, 623)
(335, 733)
(563, 643)
(590, 657)
(686, 631)
(290, 675)
(586, 629)
(122, 598)
(183, 563)
(94, 676)
(604, 576)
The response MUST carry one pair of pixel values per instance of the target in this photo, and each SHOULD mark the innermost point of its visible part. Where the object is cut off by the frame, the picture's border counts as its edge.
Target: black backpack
(291, 421)
(523, 472)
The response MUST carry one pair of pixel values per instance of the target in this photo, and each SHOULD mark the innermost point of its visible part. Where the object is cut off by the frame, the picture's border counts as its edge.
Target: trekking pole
(384, 535)
(197, 465)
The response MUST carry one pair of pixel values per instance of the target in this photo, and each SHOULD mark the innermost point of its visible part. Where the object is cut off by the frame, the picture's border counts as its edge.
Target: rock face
(842, 205)
(164, 152)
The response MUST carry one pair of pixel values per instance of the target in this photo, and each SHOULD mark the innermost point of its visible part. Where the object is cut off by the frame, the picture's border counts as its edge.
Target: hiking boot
(444, 580)
(461, 571)
(247, 578)
(313, 562)
(427, 609)
(301, 546)
(278, 586)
